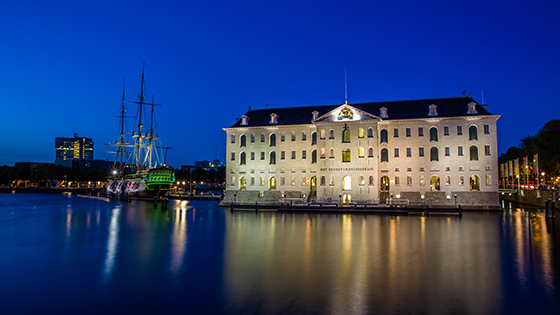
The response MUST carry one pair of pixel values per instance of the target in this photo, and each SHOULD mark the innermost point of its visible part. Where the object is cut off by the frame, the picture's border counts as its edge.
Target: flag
(506, 171)
(516, 167)
(536, 164)
(510, 168)
(525, 166)
(501, 170)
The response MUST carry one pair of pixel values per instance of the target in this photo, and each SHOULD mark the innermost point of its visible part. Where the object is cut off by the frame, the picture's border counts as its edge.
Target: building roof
(411, 109)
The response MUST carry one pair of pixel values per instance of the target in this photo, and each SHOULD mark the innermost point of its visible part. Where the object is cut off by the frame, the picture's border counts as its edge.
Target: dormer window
(273, 118)
(315, 115)
(244, 120)
(433, 110)
(472, 108)
(383, 112)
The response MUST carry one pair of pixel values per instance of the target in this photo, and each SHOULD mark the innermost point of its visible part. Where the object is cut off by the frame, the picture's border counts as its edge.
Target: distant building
(30, 164)
(204, 164)
(89, 164)
(68, 149)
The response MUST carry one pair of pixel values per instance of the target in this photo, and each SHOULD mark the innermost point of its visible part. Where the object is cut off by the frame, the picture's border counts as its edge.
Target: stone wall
(530, 197)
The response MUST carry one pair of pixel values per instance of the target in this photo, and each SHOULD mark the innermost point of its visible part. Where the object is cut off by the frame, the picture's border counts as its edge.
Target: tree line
(546, 143)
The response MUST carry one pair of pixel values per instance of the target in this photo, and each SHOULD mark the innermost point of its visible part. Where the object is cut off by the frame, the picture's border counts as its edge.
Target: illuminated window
(422, 181)
(346, 183)
(346, 135)
(362, 180)
(293, 182)
(447, 180)
(332, 180)
(488, 180)
(361, 152)
(409, 180)
(360, 133)
(346, 155)
(331, 153)
(475, 182)
(461, 180)
(323, 153)
(323, 134)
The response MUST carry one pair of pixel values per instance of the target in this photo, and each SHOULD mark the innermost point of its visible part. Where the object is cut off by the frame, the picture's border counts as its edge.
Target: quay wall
(530, 197)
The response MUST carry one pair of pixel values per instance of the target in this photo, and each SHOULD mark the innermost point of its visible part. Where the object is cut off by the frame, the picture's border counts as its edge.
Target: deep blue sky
(62, 64)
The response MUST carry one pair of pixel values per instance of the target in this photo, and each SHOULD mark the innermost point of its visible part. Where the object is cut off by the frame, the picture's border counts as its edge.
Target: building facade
(68, 149)
(435, 152)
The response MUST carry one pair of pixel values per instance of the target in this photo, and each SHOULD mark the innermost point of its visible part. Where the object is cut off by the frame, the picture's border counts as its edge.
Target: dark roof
(446, 107)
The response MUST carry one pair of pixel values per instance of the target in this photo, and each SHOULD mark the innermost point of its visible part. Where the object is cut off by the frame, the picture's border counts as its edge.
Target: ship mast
(141, 103)
(121, 143)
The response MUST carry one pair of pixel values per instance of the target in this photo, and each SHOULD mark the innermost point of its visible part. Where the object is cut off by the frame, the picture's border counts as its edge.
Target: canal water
(62, 253)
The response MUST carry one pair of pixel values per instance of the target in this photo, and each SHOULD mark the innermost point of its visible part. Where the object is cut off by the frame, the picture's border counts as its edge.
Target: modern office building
(437, 152)
(68, 149)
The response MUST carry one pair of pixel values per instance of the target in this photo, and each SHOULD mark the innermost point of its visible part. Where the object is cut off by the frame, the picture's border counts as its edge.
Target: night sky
(62, 64)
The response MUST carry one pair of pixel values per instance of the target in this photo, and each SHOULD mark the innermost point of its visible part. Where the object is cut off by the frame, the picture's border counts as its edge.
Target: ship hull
(143, 184)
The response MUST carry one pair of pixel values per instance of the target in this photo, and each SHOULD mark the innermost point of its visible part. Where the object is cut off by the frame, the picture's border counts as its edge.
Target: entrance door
(384, 189)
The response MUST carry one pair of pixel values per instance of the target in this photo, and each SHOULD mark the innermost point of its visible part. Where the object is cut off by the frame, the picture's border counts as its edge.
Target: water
(69, 254)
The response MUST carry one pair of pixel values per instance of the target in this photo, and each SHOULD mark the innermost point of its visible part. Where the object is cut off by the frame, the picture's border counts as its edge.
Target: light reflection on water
(73, 254)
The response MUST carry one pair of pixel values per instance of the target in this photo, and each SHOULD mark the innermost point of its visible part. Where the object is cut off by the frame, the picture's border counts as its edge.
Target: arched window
(242, 183)
(384, 155)
(331, 153)
(433, 134)
(370, 133)
(346, 135)
(323, 180)
(272, 140)
(362, 180)
(371, 180)
(370, 152)
(434, 183)
(332, 180)
(361, 152)
(272, 158)
(331, 134)
(272, 183)
(360, 133)
(475, 182)
(473, 133)
(313, 138)
(313, 156)
(434, 154)
(346, 155)
(323, 134)
(242, 158)
(346, 183)
(383, 136)
(242, 141)
(322, 153)
(474, 153)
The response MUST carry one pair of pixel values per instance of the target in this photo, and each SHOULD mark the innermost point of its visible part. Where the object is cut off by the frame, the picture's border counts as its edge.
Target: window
(332, 180)
(488, 180)
(421, 151)
(408, 133)
(303, 136)
(446, 151)
(323, 181)
(232, 138)
(303, 154)
(322, 153)
(272, 158)
(252, 181)
(422, 181)
(474, 153)
(233, 156)
(459, 130)
(323, 134)
(242, 141)
(293, 155)
(293, 181)
(461, 180)
(313, 138)
(282, 155)
(262, 156)
(252, 156)
(420, 131)
(486, 129)
(362, 180)
(293, 136)
(446, 130)
(346, 155)
(395, 133)
(475, 182)
(396, 152)
(434, 154)
(262, 137)
(262, 181)
(486, 150)
(473, 133)
(272, 140)
(252, 138)
(283, 137)
(233, 181)
(242, 158)
(361, 152)
(282, 181)
(383, 136)
(460, 150)
(397, 180)
(370, 133)
(303, 181)
(433, 134)
(371, 180)
(409, 180)
(447, 180)
(384, 155)
(408, 152)
(331, 134)
(345, 135)
(360, 133)
(346, 183)
(314, 156)
(331, 153)
(370, 152)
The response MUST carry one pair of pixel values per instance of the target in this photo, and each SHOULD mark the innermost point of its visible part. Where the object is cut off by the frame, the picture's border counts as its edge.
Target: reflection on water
(73, 255)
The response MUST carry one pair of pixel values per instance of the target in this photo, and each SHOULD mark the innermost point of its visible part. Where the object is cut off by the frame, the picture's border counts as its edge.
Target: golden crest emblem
(345, 113)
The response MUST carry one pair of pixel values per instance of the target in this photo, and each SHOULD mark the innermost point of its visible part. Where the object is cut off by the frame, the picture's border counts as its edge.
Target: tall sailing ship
(140, 174)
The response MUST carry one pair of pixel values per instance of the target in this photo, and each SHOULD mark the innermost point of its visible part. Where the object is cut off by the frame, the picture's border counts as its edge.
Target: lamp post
(455, 196)
(234, 198)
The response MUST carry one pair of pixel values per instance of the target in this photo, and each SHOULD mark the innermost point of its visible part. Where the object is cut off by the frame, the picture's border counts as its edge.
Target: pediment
(346, 113)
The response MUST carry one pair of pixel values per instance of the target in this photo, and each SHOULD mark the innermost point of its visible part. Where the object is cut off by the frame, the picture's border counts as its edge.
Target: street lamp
(455, 196)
